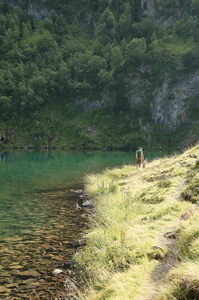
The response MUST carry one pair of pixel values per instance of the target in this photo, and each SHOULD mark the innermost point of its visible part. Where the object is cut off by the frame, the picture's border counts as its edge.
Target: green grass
(132, 209)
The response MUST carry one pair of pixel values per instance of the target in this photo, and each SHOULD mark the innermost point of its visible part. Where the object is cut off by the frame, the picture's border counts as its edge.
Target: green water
(36, 210)
(28, 178)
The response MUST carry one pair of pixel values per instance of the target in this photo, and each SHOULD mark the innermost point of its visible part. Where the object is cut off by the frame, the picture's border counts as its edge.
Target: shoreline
(136, 211)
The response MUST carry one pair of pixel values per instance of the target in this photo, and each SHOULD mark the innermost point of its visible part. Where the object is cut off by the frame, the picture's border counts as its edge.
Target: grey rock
(76, 206)
(51, 249)
(71, 261)
(172, 235)
(87, 203)
(78, 243)
(57, 271)
(84, 216)
(158, 248)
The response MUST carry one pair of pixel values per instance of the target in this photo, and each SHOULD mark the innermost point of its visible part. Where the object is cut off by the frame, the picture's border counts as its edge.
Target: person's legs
(138, 162)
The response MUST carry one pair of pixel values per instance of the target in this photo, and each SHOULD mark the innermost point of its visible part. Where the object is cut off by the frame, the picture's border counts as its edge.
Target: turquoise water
(30, 180)
(36, 212)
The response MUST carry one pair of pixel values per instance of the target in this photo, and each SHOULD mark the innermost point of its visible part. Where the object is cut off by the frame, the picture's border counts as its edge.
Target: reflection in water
(36, 211)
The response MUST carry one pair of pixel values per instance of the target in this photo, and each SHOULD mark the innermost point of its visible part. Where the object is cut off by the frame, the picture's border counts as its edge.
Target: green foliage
(107, 27)
(88, 58)
(185, 26)
(192, 107)
(116, 57)
(194, 7)
(125, 22)
(135, 51)
(155, 56)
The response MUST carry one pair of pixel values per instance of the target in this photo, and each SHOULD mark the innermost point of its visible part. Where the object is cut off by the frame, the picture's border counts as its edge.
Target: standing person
(139, 156)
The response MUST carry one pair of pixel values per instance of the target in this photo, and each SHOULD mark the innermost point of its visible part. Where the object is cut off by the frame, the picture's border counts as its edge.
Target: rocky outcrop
(148, 7)
(170, 102)
(169, 107)
(38, 12)
(151, 7)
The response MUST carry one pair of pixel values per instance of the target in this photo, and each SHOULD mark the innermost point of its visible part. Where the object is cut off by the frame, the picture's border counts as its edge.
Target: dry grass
(133, 209)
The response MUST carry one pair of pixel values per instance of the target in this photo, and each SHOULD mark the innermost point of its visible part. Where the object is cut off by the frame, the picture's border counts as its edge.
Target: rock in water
(30, 274)
(57, 271)
(76, 206)
(87, 203)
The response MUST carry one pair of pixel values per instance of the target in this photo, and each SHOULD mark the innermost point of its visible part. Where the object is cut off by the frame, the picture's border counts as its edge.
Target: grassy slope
(119, 256)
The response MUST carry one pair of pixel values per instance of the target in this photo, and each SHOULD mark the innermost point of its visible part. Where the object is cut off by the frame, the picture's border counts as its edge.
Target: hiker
(139, 156)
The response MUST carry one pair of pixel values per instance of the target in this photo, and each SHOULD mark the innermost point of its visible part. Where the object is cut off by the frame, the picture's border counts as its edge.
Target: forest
(85, 50)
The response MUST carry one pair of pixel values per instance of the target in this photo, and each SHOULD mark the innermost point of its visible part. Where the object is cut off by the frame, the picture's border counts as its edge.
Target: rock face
(169, 105)
(39, 13)
(148, 7)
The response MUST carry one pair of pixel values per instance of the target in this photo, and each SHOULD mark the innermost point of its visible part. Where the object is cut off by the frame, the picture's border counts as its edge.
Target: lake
(37, 218)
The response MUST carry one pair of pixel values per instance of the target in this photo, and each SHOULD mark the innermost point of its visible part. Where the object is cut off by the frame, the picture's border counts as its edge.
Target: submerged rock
(51, 249)
(84, 216)
(78, 191)
(78, 243)
(3, 289)
(71, 261)
(30, 274)
(76, 206)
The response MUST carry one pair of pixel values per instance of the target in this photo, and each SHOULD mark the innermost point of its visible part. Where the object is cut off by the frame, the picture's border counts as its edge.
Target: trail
(153, 283)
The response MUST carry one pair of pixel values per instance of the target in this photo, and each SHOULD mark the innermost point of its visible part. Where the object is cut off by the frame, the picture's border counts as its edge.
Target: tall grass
(132, 209)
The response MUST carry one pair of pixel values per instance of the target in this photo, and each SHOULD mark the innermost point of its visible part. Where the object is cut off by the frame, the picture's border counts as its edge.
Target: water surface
(36, 214)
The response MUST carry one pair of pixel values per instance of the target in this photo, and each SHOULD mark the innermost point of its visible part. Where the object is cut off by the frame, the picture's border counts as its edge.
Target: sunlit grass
(133, 208)
(182, 282)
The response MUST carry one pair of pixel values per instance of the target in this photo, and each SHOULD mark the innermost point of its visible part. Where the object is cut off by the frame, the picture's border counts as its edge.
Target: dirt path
(170, 261)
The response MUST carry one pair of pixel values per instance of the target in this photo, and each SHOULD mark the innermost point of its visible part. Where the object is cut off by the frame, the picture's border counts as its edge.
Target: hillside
(100, 75)
(142, 242)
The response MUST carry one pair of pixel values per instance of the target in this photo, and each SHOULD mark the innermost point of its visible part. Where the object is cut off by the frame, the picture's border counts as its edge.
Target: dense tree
(185, 26)
(106, 78)
(195, 7)
(155, 56)
(125, 22)
(116, 57)
(135, 51)
(107, 27)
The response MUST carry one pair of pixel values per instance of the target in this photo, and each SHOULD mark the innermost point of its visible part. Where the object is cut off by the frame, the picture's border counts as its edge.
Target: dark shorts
(139, 160)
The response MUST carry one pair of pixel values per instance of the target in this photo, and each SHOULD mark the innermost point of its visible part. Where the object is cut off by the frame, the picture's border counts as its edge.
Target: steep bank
(142, 241)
